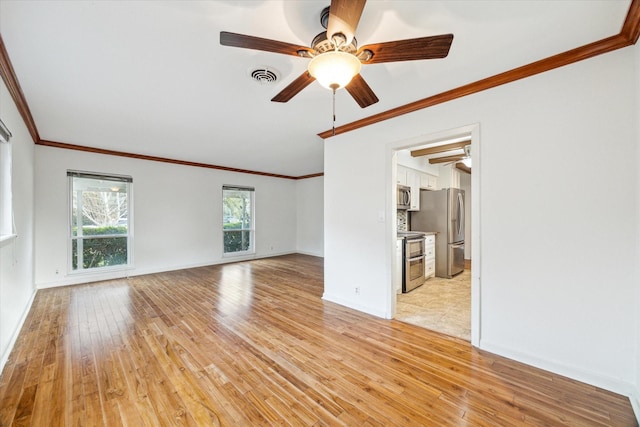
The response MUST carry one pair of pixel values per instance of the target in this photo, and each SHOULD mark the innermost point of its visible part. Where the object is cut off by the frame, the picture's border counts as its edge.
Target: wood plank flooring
(252, 343)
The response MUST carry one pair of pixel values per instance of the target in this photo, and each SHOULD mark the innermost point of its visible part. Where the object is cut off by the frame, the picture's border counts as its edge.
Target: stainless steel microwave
(404, 197)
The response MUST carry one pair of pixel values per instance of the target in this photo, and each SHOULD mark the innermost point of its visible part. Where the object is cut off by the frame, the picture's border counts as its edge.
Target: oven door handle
(415, 239)
(415, 258)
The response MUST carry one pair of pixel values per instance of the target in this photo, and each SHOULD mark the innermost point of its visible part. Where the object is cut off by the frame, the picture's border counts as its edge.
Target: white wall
(16, 256)
(177, 213)
(310, 216)
(558, 245)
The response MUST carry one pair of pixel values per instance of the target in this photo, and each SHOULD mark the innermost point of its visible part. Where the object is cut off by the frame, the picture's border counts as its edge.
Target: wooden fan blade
(257, 43)
(294, 87)
(408, 50)
(361, 92)
(344, 16)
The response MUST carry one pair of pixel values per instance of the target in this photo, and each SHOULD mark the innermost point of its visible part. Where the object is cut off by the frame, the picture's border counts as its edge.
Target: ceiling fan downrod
(333, 129)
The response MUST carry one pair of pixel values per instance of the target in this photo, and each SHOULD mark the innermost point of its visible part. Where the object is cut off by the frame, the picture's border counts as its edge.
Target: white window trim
(99, 270)
(251, 230)
(8, 227)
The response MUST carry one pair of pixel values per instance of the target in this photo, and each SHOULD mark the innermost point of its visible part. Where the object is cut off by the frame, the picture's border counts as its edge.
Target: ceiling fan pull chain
(333, 130)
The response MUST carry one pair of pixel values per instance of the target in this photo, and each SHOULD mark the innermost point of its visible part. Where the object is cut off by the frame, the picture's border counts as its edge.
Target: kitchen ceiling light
(334, 69)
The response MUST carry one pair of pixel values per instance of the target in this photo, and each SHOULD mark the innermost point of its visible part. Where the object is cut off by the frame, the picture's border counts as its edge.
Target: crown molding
(103, 151)
(11, 81)
(628, 36)
(631, 27)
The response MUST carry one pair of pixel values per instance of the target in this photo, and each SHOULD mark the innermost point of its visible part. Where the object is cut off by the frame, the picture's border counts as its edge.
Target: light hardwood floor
(252, 343)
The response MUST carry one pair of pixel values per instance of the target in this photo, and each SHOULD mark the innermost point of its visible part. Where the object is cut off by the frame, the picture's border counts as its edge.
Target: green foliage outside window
(101, 251)
(236, 241)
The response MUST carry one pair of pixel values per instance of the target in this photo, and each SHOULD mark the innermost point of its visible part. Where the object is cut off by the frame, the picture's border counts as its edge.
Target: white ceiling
(150, 77)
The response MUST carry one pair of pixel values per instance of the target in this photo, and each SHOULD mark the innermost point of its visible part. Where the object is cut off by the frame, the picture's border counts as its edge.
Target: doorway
(446, 305)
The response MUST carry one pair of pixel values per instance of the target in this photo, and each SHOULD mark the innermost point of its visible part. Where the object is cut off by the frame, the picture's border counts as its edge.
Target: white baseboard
(78, 279)
(355, 306)
(608, 383)
(319, 255)
(16, 332)
(635, 403)
(74, 279)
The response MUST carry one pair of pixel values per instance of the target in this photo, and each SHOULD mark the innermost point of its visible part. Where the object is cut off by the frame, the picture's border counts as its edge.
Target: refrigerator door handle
(460, 213)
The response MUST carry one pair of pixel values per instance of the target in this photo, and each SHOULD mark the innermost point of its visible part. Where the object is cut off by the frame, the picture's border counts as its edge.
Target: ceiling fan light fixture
(334, 69)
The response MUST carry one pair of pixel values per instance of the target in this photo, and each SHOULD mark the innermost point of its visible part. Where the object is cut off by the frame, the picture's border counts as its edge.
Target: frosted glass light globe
(334, 69)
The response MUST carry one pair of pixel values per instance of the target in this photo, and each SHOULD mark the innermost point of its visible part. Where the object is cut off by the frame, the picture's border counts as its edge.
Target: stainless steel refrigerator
(442, 211)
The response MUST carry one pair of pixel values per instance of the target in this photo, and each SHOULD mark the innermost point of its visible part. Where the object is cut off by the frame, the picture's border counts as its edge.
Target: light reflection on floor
(236, 288)
(88, 305)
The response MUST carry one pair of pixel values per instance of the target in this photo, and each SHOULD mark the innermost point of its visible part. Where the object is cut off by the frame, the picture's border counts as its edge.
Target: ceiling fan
(335, 56)
(464, 159)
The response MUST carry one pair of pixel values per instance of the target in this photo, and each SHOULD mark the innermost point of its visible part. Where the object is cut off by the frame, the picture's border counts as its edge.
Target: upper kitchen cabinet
(428, 182)
(417, 180)
(413, 181)
(449, 177)
(401, 175)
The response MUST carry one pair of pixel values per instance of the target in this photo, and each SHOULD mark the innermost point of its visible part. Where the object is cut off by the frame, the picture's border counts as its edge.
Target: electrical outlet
(57, 271)
(357, 290)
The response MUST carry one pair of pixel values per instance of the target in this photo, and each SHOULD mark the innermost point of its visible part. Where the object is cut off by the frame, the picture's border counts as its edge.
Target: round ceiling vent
(264, 75)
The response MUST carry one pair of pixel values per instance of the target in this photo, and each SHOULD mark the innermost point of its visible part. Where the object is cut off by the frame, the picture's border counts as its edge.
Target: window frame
(128, 180)
(7, 226)
(252, 227)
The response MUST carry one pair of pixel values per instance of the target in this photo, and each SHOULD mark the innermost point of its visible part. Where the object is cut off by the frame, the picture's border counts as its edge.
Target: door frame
(473, 131)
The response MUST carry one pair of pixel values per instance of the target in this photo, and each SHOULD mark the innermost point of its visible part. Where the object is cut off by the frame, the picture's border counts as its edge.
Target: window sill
(238, 254)
(6, 238)
(100, 270)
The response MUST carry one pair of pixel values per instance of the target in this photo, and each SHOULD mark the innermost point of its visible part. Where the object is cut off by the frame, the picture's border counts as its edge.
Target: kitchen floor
(442, 305)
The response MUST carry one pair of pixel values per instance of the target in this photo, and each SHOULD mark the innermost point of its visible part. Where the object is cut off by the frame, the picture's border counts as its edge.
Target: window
(7, 229)
(100, 220)
(237, 220)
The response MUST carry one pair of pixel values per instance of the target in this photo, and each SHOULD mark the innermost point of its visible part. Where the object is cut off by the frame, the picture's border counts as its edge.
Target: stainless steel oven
(414, 262)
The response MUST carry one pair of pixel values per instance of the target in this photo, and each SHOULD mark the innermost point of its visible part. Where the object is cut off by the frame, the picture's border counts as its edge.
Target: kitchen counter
(414, 234)
(410, 234)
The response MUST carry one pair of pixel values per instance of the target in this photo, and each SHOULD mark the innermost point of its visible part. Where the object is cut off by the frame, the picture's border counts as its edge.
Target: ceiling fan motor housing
(321, 44)
(324, 17)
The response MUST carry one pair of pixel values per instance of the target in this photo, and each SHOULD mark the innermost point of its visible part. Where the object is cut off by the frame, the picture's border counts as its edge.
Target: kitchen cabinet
(416, 180)
(401, 175)
(413, 181)
(397, 272)
(428, 182)
(430, 256)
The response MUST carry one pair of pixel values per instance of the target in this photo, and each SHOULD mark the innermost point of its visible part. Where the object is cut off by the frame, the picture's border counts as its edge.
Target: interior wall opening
(434, 228)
